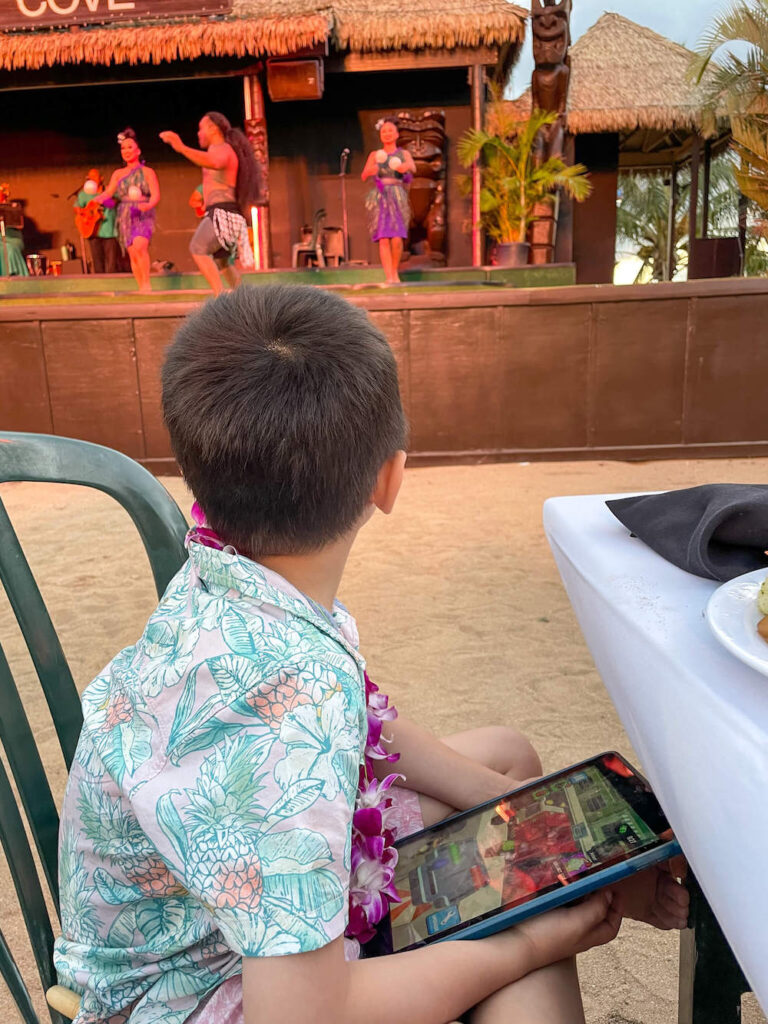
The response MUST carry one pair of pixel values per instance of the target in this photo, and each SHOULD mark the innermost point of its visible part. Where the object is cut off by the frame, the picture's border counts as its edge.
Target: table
(697, 717)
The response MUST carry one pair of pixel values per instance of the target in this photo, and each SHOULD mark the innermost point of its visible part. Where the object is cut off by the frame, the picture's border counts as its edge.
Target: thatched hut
(70, 84)
(632, 105)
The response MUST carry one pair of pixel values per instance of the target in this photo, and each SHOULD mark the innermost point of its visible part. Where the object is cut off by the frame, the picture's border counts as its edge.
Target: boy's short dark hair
(282, 403)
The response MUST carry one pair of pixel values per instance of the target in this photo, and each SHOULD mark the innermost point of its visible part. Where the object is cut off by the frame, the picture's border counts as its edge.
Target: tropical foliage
(735, 83)
(514, 177)
(642, 225)
(642, 220)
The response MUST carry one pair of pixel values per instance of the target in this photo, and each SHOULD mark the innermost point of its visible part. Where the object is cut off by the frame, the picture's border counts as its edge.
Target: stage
(489, 370)
(174, 286)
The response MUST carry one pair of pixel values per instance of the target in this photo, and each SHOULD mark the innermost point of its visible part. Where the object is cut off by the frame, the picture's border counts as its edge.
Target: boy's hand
(567, 931)
(655, 896)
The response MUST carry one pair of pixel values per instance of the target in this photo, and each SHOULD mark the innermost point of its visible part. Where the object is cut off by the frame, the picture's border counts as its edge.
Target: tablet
(540, 846)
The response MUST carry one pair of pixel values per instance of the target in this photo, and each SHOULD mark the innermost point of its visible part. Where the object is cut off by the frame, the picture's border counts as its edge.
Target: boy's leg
(499, 747)
(548, 996)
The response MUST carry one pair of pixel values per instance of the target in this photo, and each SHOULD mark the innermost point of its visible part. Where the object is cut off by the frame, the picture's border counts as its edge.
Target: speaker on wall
(295, 79)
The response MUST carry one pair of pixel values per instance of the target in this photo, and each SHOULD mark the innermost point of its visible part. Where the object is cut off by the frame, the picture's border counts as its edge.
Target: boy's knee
(514, 752)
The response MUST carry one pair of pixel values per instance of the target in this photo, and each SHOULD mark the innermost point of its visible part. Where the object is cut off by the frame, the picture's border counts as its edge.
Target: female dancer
(136, 188)
(387, 203)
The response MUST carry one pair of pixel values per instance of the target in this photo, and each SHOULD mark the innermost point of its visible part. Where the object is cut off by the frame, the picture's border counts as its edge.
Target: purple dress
(389, 212)
(131, 222)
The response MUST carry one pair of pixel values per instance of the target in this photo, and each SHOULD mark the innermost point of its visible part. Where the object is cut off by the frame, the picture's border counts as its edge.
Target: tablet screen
(538, 839)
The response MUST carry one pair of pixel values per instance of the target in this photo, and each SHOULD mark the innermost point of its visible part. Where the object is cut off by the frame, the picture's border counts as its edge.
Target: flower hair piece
(383, 120)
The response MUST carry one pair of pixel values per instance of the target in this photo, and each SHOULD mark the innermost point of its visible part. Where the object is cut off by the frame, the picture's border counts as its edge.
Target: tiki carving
(551, 75)
(423, 135)
(256, 131)
(551, 31)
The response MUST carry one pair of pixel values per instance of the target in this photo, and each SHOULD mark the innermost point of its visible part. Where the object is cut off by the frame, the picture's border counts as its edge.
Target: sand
(463, 621)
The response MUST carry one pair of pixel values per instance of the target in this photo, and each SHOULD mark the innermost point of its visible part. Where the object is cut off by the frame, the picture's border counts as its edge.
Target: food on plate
(762, 605)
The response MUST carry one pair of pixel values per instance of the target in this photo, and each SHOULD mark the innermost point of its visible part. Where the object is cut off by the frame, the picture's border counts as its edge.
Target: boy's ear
(388, 483)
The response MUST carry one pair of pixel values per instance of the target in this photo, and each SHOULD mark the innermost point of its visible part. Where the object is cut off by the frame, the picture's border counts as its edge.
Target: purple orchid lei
(201, 531)
(373, 857)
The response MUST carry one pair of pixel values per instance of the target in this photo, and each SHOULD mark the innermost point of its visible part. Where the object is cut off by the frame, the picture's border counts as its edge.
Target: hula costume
(389, 211)
(133, 223)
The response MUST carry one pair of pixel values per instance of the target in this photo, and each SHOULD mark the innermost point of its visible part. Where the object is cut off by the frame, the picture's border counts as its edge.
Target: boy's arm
(430, 985)
(433, 768)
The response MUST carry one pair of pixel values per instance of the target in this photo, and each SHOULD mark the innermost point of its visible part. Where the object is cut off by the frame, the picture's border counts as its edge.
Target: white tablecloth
(697, 716)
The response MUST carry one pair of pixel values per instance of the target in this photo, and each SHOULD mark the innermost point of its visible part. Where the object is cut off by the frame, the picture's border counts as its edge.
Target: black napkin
(717, 531)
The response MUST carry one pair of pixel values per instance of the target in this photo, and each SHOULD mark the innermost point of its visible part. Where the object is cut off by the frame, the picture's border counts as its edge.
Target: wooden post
(671, 223)
(743, 233)
(477, 75)
(256, 130)
(705, 198)
(694, 211)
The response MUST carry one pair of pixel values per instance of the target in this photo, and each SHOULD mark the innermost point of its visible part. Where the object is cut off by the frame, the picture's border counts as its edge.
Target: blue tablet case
(503, 919)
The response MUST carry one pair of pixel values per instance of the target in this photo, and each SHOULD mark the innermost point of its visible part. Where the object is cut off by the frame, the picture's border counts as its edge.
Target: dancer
(230, 186)
(387, 203)
(136, 188)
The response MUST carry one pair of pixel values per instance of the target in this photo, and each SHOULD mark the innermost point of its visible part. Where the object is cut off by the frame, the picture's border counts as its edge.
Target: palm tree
(642, 220)
(738, 87)
(642, 223)
(735, 85)
(514, 180)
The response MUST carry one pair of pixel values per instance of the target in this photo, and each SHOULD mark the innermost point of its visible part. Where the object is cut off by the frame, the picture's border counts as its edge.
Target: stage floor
(112, 288)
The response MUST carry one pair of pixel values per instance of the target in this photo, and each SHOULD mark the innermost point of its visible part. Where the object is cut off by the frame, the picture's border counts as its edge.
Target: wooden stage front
(487, 373)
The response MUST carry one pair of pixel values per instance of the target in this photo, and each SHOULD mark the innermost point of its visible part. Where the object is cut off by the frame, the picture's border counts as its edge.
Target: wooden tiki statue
(549, 91)
(423, 135)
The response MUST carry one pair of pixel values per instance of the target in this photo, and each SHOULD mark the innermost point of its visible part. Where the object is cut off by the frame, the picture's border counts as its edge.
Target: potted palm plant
(515, 181)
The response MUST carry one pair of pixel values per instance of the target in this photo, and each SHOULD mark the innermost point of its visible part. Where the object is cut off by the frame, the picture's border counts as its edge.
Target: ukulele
(88, 218)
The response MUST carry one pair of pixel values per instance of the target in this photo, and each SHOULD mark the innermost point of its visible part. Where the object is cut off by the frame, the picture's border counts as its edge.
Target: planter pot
(512, 254)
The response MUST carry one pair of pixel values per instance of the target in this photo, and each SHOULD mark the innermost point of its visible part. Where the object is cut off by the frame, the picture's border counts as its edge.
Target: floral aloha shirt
(208, 811)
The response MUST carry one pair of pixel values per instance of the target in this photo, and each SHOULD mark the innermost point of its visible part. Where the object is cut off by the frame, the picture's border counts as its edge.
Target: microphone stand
(344, 220)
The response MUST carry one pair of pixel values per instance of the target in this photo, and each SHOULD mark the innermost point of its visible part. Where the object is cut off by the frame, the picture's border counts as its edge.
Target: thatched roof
(368, 25)
(274, 28)
(625, 76)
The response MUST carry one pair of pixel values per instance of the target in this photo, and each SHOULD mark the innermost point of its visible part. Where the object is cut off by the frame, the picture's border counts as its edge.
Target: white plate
(733, 615)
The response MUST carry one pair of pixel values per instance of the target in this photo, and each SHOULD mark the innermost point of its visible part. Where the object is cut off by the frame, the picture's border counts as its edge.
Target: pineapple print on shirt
(208, 812)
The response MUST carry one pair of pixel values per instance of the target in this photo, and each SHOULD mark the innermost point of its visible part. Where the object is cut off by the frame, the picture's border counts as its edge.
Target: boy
(207, 847)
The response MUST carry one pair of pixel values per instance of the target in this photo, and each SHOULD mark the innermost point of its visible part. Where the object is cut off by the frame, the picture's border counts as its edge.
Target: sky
(683, 21)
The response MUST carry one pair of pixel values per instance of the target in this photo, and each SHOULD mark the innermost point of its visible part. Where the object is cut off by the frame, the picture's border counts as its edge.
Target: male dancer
(230, 185)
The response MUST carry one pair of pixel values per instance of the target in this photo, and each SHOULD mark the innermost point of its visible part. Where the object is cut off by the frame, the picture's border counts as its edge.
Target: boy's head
(282, 404)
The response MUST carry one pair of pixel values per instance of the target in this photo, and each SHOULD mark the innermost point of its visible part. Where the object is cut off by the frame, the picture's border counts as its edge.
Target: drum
(37, 264)
(54, 268)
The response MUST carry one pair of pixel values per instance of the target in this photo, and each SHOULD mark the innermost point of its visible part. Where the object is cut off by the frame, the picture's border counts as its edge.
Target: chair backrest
(317, 220)
(161, 526)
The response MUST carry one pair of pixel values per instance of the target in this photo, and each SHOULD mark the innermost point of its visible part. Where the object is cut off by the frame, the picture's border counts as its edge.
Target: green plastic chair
(162, 527)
